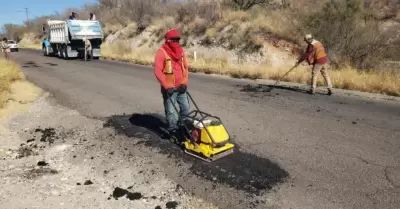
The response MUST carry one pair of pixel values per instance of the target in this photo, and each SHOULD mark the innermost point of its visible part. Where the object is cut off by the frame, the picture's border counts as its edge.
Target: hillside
(251, 38)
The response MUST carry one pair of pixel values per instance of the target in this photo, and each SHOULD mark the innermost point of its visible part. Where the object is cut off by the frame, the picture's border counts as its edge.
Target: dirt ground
(52, 157)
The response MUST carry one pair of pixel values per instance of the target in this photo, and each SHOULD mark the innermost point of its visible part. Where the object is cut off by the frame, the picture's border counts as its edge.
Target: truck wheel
(59, 51)
(91, 54)
(65, 52)
(45, 51)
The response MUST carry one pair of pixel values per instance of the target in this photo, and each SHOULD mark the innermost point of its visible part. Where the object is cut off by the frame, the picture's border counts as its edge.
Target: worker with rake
(171, 70)
(316, 56)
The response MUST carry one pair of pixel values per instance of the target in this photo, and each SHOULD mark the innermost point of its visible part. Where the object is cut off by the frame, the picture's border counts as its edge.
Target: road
(306, 151)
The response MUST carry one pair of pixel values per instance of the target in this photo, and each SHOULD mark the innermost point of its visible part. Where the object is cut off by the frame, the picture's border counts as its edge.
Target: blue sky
(13, 11)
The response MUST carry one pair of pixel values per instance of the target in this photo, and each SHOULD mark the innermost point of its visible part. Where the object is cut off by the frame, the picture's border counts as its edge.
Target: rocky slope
(275, 53)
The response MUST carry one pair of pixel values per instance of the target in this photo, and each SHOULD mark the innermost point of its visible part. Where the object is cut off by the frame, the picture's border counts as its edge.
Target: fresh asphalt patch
(268, 90)
(242, 171)
(51, 64)
(29, 64)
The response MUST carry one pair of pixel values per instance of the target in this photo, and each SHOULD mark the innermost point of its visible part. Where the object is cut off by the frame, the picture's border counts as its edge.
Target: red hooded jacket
(175, 52)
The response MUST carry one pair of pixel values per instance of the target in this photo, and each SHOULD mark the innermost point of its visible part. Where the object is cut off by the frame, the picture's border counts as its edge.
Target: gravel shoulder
(53, 157)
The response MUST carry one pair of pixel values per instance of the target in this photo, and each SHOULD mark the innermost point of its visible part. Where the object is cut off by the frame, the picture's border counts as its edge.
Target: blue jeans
(181, 102)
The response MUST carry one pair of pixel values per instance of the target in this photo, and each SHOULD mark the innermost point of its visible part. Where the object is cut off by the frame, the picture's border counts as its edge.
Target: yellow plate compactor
(204, 135)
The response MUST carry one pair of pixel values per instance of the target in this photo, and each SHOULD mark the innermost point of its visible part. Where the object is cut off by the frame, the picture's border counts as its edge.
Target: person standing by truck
(88, 47)
(72, 16)
(92, 16)
(5, 48)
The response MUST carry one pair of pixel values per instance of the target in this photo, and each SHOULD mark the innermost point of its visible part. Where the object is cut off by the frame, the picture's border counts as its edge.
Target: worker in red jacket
(171, 70)
(316, 56)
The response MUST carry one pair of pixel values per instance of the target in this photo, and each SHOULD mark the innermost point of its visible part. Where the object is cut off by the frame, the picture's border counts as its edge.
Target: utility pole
(27, 17)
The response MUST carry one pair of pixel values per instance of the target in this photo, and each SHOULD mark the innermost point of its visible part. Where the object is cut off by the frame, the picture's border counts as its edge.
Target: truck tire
(59, 51)
(91, 55)
(66, 53)
(45, 51)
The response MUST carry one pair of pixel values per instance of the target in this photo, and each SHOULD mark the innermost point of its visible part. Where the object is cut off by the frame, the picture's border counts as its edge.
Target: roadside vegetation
(361, 36)
(384, 81)
(9, 73)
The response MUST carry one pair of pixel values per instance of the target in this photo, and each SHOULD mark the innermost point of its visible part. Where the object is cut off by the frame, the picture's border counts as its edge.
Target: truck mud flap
(72, 53)
(96, 53)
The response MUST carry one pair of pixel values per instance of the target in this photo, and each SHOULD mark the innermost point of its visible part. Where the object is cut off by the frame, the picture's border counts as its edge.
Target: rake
(279, 80)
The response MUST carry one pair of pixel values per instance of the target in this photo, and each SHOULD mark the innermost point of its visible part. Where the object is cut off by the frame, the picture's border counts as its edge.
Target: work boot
(172, 135)
(311, 91)
(330, 92)
(176, 137)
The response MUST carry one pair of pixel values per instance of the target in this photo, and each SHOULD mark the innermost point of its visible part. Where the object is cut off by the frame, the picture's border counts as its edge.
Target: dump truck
(65, 39)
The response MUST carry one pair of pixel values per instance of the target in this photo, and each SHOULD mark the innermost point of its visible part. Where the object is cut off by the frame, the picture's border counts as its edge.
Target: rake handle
(279, 80)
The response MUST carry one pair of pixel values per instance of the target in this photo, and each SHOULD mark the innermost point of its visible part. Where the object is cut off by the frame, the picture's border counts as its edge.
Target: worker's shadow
(139, 125)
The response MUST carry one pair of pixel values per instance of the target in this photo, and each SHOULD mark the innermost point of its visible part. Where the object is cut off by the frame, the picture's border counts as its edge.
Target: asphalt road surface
(305, 151)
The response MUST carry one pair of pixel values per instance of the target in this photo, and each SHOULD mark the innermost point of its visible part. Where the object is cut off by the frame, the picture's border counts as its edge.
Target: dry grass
(9, 73)
(122, 51)
(384, 82)
(30, 46)
(281, 23)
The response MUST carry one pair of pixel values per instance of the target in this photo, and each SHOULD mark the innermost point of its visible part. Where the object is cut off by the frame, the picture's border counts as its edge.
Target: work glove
(182, 88)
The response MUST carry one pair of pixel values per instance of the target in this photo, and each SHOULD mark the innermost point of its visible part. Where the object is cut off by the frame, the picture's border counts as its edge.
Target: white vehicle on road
(13, 45)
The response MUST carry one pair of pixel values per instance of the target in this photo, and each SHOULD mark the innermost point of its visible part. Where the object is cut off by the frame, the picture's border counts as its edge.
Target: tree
(247, 4)
(338, 26)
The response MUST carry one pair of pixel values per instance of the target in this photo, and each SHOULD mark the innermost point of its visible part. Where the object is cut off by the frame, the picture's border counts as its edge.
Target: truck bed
(65, 31)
